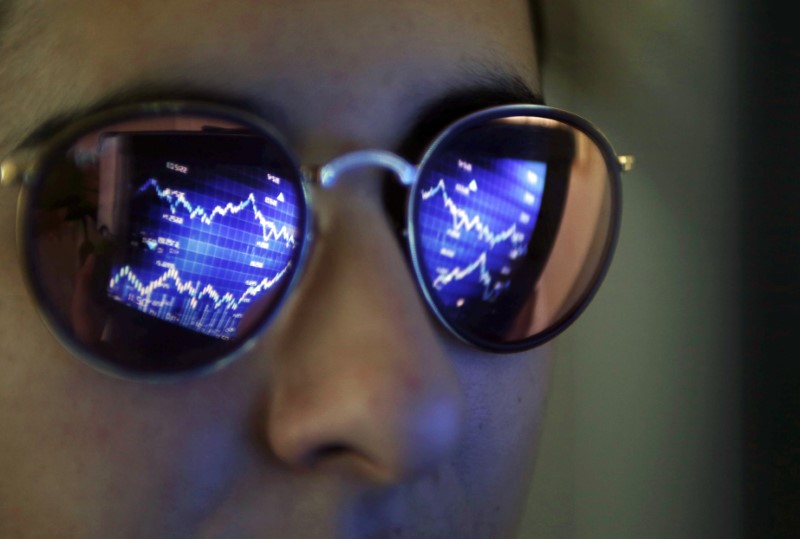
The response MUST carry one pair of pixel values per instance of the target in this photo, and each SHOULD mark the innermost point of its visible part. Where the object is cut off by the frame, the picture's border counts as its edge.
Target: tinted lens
(161, 244)
(513, 222)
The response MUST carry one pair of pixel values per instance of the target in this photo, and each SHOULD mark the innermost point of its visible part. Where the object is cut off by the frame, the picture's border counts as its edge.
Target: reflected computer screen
(206, 229)
(476, 221)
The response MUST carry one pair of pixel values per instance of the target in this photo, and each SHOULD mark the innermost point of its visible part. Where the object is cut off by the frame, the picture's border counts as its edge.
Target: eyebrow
(130, 95)
(478, 86)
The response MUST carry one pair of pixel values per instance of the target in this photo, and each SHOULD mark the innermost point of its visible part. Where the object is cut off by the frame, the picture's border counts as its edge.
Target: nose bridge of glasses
(330, 172)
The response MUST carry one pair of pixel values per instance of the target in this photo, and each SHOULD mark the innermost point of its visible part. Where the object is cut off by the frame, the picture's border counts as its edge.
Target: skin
(356, 415)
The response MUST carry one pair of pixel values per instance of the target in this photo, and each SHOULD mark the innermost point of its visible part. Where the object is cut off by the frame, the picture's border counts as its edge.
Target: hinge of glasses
(13, 168)
(627, 162)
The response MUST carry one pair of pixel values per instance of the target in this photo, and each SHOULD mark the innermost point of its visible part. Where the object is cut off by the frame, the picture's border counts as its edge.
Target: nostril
(327, 452)
(346, 460)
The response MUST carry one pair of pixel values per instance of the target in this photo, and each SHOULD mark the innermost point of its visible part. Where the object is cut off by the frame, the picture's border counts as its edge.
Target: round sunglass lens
(512, 223)
(158, 245)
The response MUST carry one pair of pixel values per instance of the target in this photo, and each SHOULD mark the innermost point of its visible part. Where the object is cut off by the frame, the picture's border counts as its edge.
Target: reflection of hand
(88, 317)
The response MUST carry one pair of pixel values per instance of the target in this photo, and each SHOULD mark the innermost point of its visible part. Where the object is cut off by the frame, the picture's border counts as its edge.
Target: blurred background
(675, 409)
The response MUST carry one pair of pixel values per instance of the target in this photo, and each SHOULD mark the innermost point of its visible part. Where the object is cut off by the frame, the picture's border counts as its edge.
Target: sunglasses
(160, 239)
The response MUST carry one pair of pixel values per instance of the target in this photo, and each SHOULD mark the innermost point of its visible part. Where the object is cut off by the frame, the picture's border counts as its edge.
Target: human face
(356, 415)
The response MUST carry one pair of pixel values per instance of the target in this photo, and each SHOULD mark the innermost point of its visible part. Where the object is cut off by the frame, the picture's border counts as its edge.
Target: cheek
(505, 398)
(94, 453)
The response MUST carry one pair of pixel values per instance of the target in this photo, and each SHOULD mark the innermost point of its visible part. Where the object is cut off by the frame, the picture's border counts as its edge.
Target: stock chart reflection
(205, 239)
(476, 219)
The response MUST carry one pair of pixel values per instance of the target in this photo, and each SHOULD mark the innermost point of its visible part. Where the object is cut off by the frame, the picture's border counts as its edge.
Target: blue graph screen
(212, 229)
(476, 218)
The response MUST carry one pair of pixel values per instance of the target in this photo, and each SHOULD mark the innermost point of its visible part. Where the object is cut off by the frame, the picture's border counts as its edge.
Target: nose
(360, 382)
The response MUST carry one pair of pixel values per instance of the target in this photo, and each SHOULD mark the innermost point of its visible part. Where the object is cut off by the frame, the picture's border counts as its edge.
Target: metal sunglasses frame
(27, 168)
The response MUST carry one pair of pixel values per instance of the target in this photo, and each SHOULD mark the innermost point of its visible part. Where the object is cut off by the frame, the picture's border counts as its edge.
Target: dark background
(675, 403)
(770, 217)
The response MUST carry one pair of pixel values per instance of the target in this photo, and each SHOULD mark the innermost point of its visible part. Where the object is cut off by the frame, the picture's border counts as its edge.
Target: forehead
(347, 64)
